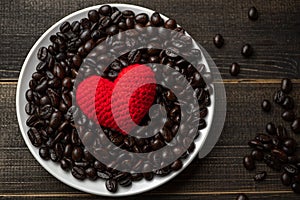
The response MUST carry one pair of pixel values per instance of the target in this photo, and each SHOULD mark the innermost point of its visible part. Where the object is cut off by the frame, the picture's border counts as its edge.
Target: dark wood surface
(276, 41)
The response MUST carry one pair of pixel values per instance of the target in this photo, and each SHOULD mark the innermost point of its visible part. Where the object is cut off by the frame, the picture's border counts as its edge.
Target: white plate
(94, 187)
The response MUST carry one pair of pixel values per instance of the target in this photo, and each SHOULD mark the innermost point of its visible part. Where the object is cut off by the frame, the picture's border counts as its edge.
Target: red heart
(106, 102)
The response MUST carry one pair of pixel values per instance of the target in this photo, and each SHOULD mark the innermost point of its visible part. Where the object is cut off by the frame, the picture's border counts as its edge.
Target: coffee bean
(65, 27)
(296, 187)
(270, 128)
(281, 131)
(65, 163)
(156, 19)
(253, 13)
(105, 10)
(234, 69)
(260, 176)
(279, 154)
(77, 154)
(257, 154)
(249, 163)
(296, 126)
(93, 16)
(290, 145)
(78, 173)
(142, 18)
(176, 165)
(279, 97)
(219, 42)
(266, 105)
(111, 185)
(286, 179)
(112, 30)
(42, 54)
(290, 169)
(116, 17)
(170, 24)
(247, 50)
(91, 173)
(263, 138)
(286, 85)
(34, 137)
(29, 108)
(288, 115)
(44, 153)
(55, 119)
(242, 197)
(288, 103)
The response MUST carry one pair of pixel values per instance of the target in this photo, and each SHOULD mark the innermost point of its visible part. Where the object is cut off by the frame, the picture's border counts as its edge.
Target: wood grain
(274, 37)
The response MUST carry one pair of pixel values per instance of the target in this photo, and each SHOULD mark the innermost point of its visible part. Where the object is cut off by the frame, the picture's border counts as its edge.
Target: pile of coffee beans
(59, 135)
(276, 148)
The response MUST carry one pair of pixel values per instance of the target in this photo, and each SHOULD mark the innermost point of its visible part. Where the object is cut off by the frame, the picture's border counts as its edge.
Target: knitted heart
(121, 104)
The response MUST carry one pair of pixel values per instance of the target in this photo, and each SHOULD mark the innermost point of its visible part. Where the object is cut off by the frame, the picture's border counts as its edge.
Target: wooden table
(275, 38)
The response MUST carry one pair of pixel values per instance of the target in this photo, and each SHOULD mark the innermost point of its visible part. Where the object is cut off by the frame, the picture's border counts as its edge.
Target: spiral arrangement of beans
(50, 109)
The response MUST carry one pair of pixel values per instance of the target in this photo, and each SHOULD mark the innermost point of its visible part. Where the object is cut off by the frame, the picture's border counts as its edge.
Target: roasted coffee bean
(288, 103)
(136, 176)
(54, 97)
(128, 14)
(55, 119)
(105, 10)
(286, 179)
(58, 148)
(68, 150)
(85, 35)
(46, 111)
(176, 165)
(247, 50)
(29, 95)
(286, 85)
(42, 54)
(278, 153)
(91, 173)
(242, 197)
(296, 187)
(266, 105)
(281, 131)
(116, 17)
(134, 56)
(42, 66)
(260, 176)
(142, 18)
(148, 176)
(65, 164)
(290, 145)
(111, 185)
(65, 27)
(288, 115)
(290, 169)
(77, 153)
(234, 69)
(156, 19)
(170, 24)
(53, 155)
(93, 16)
(29, 108)
(263, 138)
(270, 128)
(253, 13)
(125, 182)
(256, 144)
(219, 42)
(44, 100)
(129, 23)
(296, 126)
(42, 86)
(104, 175)
(112, 30)
(44, 153)
(257, 154)
(249, 163)
(78, 173)
(35, 137)
(279, 97)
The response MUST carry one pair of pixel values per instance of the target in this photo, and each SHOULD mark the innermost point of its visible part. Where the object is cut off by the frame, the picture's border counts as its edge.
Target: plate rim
(45, 164)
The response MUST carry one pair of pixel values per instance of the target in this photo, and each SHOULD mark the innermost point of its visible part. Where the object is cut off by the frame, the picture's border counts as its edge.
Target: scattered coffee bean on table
(242, 197)
(278, 148)
(266, 105)
(260, 176)
(253, 14)
(247, 50)
(234, 69)
(52, 115)
(218, 40)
